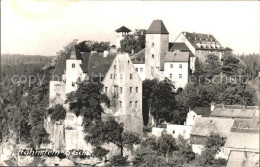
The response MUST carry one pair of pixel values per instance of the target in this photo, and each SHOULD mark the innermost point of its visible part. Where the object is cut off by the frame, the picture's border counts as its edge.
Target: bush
(119, 160)
(57, 113)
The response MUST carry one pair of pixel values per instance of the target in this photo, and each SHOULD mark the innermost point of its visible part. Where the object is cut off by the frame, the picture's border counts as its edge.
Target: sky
(40, 27)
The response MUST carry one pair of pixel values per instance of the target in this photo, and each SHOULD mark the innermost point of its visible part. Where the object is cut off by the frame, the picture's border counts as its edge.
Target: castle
(122, 74)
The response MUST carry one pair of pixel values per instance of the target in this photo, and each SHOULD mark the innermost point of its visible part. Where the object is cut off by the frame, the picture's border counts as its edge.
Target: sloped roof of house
(123, 29)
(157, 27)
(92, 63)
(178, 46)
(234, 111)
(246, 124)
(204, 111)
(204, 126)
(243, 159)
(139, 57)
(243, 140)
(177, 57)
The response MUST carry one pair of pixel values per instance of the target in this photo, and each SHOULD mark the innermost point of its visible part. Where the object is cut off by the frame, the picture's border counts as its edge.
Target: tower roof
(123, 29)
(157, 27)
(73, 53)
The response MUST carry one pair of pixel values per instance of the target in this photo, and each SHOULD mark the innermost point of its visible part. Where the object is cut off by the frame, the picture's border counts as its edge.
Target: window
(121, 76)
(131, 76)
(173, 131)
(171, 65)
(105, 89)
(170, 76)
(130, 104)
(131, 89)
(111, 76)
(136, 69)
(180, 65)
(152, 44)
(152, 55)
(114, 76)
(180, 76)
(121, 90)
(120, 104)
(73, 65)
(136, 104)
(136, 89)
(73, 84)
(141, 69)
(114, 66)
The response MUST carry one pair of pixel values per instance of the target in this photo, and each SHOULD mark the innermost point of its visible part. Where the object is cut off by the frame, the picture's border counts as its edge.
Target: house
(204, 126)
(196, 112)
(201, 45)
(177, 68)
(138, 61)
(233, 111)
(120, 34)
(243, 159)
(116, 71)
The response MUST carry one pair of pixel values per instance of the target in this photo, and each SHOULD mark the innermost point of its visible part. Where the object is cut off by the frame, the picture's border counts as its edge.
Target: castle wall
(57, 93)
(155, 51)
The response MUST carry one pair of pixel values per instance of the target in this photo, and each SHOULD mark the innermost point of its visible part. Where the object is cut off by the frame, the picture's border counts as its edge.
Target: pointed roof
(157, 27)
(123, 29)
(73, 53)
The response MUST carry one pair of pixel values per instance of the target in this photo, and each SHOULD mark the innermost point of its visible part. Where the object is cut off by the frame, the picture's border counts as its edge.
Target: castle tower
(120, 34)
(74, 72)
(156, 47)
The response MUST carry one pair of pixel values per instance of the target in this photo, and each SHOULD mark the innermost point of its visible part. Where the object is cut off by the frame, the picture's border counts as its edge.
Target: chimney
(133, 51)
(184, 33)
(212, 106)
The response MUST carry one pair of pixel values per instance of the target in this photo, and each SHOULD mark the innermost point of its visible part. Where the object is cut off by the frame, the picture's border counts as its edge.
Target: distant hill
(14, 59)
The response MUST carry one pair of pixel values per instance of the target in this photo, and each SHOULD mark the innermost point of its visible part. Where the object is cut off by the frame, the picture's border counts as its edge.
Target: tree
(100, 152)
(166, 144)
(134, 41)
(119, 160)
(213, 146)
(87, 99)
(88, 46)
(147, 91)
(162, 101)
(57, 112)
(130, 138)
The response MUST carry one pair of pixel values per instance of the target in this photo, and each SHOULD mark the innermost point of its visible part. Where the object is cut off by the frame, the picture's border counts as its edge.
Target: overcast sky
(38, 27)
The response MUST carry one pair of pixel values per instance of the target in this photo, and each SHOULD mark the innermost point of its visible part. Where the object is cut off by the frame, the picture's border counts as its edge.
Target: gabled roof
(243, 140)
(203, 111)
(234, 111)
(204, 126)
(243, 159)
(123, 29)
(178, 46)
(177, 57)
(139, 57)
(157, 27)
(92, 63)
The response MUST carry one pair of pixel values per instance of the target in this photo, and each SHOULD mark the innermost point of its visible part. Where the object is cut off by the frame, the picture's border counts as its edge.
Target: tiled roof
(250, 124)
(177, 57)
(99, 65)
(243, 140)
(123, 29)
(234, 111)
(204, 126)
(178, 46)
(243, 159)
(139, 57)
(92, 63)
(204, 111)
(157, 27)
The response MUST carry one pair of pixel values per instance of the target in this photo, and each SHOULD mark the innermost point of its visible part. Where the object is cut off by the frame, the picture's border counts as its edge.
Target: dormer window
(73, 65)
